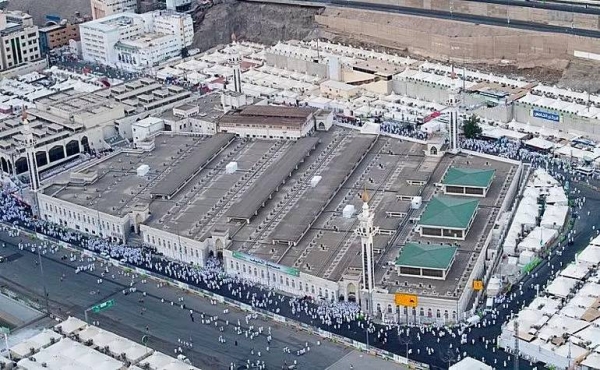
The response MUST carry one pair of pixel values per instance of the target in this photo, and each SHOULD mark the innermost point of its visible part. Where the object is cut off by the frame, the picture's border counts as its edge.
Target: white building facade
(104, 8)
(19, 38)
(136, 41)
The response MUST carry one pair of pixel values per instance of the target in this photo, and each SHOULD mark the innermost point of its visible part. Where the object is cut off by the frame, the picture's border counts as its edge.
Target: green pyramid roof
(458, 176)
(433, 256)
(446, 211)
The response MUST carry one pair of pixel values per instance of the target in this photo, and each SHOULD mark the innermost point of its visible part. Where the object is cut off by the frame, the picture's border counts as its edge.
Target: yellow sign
(477, 285)
(406, 300)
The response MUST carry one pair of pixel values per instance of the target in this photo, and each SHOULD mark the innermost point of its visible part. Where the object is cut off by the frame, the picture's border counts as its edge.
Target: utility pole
(39, 247)
(516, 354)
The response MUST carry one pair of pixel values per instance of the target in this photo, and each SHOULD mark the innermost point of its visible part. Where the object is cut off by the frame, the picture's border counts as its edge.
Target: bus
(585, 170)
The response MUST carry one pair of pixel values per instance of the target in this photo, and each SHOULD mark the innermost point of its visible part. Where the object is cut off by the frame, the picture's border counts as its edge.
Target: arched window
(438, 314)
(429, 313)
(421, 312)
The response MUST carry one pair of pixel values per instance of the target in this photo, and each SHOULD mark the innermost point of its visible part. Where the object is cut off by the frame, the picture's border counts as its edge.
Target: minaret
(237, 74)
(30, 153)
(366, 232)
(453, 92)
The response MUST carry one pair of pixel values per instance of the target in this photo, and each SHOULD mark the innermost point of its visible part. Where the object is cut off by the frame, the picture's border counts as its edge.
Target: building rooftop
(431, 256)
(480, 178)
(298, 226)
(267, 115)
(445, 211)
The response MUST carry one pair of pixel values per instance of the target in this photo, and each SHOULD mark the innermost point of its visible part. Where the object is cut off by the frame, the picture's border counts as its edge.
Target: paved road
(448, 15)
(166, 323)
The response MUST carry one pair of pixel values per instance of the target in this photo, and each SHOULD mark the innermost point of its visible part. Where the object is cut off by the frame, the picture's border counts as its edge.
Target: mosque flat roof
(460, 176)
(431, 256)
(246, 208)
(190, 164)
(296, 223)
(445, 211)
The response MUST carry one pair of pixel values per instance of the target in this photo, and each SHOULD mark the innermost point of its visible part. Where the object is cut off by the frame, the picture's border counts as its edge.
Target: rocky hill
(264, 23)
(39, 8)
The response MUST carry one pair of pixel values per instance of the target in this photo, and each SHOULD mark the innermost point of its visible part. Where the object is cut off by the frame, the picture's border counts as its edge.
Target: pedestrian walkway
(358, 360)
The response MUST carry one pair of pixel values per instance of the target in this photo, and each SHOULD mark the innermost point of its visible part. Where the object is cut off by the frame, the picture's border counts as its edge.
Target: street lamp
(39, 248)
(406, 341)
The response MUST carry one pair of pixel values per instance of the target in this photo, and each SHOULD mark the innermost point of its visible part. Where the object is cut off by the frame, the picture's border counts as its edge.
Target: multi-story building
(136, 41)
(104, 8)
(179, 5)
(55, 36)
(19, 39)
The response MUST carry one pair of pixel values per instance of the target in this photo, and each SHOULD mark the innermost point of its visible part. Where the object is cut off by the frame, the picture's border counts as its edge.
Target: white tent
(537, 239)
(591, 255)
(554, 216)
(469, 363)
(542, 179)
(556, 195)
(561, 286)
(576, 271)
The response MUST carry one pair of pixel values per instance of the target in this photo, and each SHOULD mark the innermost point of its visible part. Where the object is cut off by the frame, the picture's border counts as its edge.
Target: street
(163, 322)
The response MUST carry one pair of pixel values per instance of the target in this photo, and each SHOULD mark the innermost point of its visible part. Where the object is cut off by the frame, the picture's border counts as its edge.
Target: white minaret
(30, 153)
(366, 232)
(237, 74)
(453, 93)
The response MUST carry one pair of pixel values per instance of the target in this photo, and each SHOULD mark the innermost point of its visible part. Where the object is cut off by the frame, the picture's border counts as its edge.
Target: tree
(471, 127)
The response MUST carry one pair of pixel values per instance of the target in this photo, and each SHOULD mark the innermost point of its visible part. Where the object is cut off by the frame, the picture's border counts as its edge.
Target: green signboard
(285, 269)
(4, 330)
(103, 306)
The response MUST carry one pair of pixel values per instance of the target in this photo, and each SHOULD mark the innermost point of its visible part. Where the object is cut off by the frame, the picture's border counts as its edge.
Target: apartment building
(136, 41)
(104, 8)
(58, 35)
(19, 38)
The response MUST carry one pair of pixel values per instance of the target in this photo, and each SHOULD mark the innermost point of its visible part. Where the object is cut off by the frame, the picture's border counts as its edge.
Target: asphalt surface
(163, 322)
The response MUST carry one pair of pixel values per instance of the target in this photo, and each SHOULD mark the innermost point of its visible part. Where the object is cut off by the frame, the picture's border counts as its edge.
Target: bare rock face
(38, 9)
(263, 23)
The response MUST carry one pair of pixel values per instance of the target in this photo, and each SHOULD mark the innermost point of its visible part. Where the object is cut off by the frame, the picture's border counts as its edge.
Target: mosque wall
(83, 219)
(283, 278)
(175, 246)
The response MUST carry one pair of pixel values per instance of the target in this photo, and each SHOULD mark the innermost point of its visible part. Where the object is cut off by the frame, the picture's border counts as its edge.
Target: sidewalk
(363, 361)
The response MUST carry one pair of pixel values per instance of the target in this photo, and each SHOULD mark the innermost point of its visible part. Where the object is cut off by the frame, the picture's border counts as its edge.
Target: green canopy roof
(446, 211)
(433, 256)
(458, 176)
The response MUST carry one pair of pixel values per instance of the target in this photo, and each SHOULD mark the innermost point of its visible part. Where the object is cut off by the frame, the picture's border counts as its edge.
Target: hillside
(39, 8)
(264, 23)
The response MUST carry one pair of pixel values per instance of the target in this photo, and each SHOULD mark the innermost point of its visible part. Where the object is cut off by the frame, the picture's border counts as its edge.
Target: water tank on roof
(315, 181)
(348, 211)
(143, 170)
(231, 167)
(416, 202)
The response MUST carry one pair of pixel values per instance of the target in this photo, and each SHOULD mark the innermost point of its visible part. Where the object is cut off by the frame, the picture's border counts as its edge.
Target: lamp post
(39, 248)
